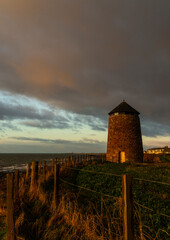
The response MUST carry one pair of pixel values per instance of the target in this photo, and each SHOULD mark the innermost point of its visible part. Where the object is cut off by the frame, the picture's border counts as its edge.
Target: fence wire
(106, 195)
(111, 174)
(117, 175)
(88, 189)
(90, 171)
(151, 181)
(157, 213)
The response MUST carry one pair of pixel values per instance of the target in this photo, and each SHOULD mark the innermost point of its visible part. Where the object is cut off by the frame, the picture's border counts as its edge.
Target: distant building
(164, 150)
(124, 135)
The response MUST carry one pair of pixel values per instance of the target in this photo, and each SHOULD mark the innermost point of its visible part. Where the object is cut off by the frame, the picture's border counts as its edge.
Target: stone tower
(124, 135)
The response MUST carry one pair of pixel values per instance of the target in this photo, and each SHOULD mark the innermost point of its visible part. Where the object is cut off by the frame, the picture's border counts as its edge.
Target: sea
(10, 162)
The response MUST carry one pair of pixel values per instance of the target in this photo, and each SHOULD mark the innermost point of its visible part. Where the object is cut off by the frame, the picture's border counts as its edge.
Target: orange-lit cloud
(39, 73)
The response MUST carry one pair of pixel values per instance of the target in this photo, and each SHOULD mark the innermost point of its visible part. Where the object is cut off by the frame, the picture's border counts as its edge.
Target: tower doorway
(122, 157)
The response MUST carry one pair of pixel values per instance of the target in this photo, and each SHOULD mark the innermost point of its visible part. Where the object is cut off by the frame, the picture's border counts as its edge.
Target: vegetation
(2, 227)
(82, 214)
(152, 195)
(165, 158)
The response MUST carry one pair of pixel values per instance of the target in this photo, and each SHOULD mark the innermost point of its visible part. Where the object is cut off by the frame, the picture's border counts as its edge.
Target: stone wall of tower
(124, 135)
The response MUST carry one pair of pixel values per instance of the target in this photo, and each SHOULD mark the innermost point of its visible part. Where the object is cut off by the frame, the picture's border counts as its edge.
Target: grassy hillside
(152, 195)
(82, 215)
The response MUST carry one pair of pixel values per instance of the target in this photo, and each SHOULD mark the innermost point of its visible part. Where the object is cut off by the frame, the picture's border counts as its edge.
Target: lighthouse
(124, 135)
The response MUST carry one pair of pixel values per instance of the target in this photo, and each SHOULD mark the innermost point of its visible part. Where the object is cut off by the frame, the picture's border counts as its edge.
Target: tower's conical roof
(124, 107)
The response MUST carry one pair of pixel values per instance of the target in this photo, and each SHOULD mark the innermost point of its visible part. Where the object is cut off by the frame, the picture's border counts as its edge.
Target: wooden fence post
(39, 168)
(102, 158)
(84, 160)
(52, 168)
(16, 186)
(56, 185)
(93, 162)
(44, 171)
(34, 175)
(71, 159)
(28, 171)
(101, 205)
(128, 227)
(10, 207)
(36, 171)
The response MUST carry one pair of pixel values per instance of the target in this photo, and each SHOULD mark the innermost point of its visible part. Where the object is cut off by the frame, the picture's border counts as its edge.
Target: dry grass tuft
(42, 196)
(88, 225)
(3, 209)
(19, 221)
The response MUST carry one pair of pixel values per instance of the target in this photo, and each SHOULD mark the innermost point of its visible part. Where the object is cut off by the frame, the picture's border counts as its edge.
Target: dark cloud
(153, 129)
(10, 111)
(57, 145)
(47, 124)
(86, 56)
(98, 128)
(41, 140)
(95, 123)
(8, 125)
(43, 118)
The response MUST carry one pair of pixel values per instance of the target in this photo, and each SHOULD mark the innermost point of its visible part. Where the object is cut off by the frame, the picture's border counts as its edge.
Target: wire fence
(88, 189)
(107, 195)
(151, 181)
(157, 213)
(116, 175)
(90, 171)
(40, 173)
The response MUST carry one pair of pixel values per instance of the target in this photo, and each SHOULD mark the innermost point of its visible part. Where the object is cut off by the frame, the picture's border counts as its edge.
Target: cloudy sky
(64, 64)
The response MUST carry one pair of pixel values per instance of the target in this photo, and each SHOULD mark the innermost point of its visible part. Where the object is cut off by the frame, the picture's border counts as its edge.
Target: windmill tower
(124, 135)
